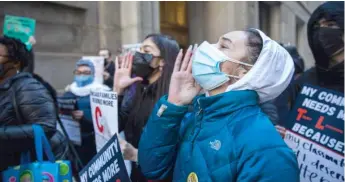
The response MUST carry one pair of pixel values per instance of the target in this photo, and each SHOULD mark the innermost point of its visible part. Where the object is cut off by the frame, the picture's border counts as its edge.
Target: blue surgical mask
(83, 80)
(206, 66)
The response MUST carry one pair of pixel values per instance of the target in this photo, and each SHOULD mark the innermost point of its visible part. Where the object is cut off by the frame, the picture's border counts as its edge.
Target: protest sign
(21, 28)
(104, 116)
(98, 62)
(66, 106)
(315, 132)
(107, 165)
(130, 48)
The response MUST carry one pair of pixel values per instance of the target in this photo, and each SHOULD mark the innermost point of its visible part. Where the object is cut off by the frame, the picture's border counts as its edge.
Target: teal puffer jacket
(227, 138)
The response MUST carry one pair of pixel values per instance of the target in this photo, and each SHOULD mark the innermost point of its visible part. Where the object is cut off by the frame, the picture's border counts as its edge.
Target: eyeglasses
(76, 72)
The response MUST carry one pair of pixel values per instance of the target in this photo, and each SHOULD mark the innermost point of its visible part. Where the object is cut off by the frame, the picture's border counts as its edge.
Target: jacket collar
(225, 104)
(9, 81)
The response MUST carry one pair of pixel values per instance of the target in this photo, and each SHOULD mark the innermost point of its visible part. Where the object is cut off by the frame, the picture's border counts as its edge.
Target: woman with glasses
(24, 101)
(79, 90)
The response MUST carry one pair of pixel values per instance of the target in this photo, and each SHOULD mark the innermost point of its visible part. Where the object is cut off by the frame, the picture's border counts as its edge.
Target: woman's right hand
(122, 76)
(183, 87)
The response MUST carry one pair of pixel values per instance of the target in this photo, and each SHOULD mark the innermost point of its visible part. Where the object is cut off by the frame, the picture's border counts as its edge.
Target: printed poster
(21, 28)
(104, 116)
(107, 165)
(98, 62)
(316, 134)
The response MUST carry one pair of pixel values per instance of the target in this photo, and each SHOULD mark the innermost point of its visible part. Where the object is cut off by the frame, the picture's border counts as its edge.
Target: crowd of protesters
(237, 93)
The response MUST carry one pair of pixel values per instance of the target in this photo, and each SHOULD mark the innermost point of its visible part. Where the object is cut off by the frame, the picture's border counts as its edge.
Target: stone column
(288, 25)
(138, 19)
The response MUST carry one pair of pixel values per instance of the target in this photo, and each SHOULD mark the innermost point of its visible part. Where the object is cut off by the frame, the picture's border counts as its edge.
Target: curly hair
(254, 45)
(17, 51)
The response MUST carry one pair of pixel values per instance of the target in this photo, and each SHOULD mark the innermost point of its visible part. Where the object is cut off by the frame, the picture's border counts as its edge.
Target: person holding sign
(79, 90)
(24, 101)
(226, 137)
(140, 80)
(326, 41)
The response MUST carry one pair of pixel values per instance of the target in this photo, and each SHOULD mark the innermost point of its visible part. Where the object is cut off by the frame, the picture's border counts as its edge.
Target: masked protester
(79, 90)
(24, 101)
(109, 67)
(326, 41)
(140, 80)
(226, 137)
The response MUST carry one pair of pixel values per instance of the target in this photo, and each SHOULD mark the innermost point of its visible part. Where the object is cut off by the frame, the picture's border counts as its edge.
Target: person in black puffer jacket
(24, 101)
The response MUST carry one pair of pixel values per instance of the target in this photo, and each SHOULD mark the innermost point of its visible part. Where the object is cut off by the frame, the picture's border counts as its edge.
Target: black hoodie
(333, 79)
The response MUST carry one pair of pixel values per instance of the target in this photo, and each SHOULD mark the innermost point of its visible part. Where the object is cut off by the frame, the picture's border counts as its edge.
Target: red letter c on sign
(98, 114)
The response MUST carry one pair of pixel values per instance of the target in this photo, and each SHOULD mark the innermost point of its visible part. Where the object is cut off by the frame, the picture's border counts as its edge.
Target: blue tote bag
(39, 171)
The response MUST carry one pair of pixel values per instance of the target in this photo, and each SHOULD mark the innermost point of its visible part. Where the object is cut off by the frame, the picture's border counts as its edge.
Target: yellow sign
(192, 177)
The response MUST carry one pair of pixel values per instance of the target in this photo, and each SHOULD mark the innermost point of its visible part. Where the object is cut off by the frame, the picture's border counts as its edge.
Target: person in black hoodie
(326, 41)
(24, 101)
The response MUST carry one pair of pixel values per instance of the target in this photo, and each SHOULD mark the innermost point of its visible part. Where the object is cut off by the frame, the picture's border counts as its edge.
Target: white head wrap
(271, 73)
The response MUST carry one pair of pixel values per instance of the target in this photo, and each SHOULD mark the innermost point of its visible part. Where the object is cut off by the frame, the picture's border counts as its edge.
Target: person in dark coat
(326, 41)
(79, 90)
(109, 67)
(139, 88)
(24, 101)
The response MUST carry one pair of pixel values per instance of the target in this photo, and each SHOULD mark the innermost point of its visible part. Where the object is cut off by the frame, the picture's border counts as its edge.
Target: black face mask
(141, 65)
(329, 39)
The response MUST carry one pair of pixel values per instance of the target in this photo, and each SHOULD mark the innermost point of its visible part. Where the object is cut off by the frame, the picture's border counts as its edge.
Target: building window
(265, 18)
(173, 20)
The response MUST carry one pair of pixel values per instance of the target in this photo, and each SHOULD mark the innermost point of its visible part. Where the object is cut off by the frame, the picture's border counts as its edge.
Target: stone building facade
(68, 30)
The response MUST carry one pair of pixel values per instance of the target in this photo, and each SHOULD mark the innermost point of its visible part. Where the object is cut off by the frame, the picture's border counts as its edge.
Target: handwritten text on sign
(315, 133)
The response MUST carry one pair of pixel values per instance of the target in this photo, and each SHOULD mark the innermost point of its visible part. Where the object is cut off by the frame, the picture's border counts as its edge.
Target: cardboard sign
(20, 28)
(107, 165)
(316, 134)
(104, 116)
(98, 62)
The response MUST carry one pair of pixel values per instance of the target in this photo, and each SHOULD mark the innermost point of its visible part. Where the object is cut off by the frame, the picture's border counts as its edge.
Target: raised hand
(183, 87)
(122, 76)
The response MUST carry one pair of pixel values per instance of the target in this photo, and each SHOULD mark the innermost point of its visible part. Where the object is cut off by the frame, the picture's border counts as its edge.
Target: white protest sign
(130, 48)
(72, 128)
(98, 62)
(104, 116)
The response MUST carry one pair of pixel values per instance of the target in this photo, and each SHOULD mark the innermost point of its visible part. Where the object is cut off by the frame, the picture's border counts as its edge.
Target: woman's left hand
(128, 151)
(77, 115)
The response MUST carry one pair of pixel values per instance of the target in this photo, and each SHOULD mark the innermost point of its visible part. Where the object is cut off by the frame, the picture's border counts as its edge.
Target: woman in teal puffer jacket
(226, 137)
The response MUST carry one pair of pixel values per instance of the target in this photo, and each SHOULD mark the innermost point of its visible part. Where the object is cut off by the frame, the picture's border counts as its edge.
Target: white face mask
(206, 66)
